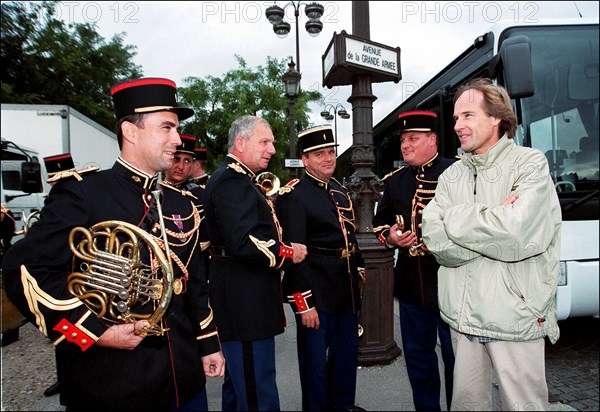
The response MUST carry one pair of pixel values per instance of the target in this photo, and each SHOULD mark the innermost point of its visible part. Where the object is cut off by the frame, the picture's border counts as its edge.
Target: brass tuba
(269, 182)
(113, 281)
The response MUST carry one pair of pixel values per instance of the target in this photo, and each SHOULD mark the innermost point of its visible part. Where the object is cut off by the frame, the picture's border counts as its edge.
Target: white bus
(550, 69)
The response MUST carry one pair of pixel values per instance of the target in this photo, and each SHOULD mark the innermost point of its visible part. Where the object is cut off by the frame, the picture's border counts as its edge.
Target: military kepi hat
(316, 138)
(147, 95)
(58, 163)
(200, 153)
(417, 121)
(188, 143)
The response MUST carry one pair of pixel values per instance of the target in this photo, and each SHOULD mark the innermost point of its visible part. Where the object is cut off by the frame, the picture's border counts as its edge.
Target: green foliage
(218, 101)
(44, 61)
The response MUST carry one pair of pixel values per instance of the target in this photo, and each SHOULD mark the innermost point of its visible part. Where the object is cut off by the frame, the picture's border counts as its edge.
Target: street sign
(293, 163)
(348, 56)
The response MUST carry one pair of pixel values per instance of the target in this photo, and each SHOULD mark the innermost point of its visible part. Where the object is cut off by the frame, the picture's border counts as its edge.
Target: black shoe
(53, 389)
(357, 408)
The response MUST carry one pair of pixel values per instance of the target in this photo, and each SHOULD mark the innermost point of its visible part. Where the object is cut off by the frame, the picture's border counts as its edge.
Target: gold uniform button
(74, 335)
(65, 328)
(84, 341)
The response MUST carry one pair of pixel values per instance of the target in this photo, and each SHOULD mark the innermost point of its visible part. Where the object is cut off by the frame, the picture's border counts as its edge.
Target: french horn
(28, 221)
(111, 277)
(269, 182)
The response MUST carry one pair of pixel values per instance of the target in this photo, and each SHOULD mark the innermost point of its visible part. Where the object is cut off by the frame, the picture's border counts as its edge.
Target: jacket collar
(427, 165)
(316, 181)
(494, 154)
(134, 175)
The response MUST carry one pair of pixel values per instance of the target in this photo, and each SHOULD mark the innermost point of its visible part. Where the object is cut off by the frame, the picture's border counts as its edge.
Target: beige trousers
(518, 366)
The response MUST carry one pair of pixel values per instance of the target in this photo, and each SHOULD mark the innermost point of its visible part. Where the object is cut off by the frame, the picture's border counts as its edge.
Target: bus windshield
(561, 118)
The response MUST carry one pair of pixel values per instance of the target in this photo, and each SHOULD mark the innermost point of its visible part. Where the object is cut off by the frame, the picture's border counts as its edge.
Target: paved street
(572, 373)
(572, 364)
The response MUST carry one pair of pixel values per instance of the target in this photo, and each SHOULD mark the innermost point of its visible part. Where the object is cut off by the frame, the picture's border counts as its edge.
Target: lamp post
(326, 114)
(291, 79)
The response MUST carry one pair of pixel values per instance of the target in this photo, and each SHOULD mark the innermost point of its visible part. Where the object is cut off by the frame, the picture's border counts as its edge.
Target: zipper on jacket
(475, 184)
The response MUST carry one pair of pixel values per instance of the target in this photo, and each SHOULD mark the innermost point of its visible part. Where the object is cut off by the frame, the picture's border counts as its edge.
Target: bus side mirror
(31, 177)
(514, 59)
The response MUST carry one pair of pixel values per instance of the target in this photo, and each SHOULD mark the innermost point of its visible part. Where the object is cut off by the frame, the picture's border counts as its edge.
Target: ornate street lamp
(291, 81)
(326, 114)
(314, 26)
(275, 14)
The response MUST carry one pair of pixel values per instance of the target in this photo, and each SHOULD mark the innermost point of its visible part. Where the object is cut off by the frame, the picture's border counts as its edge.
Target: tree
(44, 61)
(218, 101)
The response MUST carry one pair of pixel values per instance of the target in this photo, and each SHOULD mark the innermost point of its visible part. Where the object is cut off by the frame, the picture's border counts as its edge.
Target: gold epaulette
(237, 168)
(68, 173)
(392, 173)
(288, 187)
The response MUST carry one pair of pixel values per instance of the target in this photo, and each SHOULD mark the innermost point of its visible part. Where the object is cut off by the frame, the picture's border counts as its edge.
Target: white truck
(46, 130)
(30, 133)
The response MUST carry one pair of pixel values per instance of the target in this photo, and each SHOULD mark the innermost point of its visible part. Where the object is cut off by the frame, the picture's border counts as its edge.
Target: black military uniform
(319, 214)
(245, 281)
(193, 188)
(162, 371)
(61, 166)
(407, 191)
(248, 251)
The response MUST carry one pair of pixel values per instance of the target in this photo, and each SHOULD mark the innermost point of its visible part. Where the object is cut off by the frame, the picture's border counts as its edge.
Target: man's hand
(214, 365)
(125, 336)
(300, 252)
(510, 200)
(310, 319)
(406, 239)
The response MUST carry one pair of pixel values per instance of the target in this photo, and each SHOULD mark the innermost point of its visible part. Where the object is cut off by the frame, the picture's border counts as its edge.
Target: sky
(201, 38)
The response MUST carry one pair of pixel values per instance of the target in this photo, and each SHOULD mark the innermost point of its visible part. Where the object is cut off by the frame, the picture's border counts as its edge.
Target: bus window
(561, 118)
(562, 153)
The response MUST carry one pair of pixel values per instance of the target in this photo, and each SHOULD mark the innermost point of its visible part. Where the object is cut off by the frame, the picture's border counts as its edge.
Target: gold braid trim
(184, 235)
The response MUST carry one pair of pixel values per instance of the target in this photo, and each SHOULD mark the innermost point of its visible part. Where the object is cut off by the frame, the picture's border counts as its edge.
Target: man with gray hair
(247, 253)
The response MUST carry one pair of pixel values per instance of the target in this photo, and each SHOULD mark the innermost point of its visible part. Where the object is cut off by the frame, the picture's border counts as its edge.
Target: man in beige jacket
(494, 227)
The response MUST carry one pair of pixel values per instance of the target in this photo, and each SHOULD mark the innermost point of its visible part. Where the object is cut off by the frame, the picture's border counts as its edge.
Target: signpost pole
(356, 60)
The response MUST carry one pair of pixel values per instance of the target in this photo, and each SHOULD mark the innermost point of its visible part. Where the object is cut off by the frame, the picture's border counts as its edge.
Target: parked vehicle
(550, 69)
(30, 133)
(21, 184)
(57, 129)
